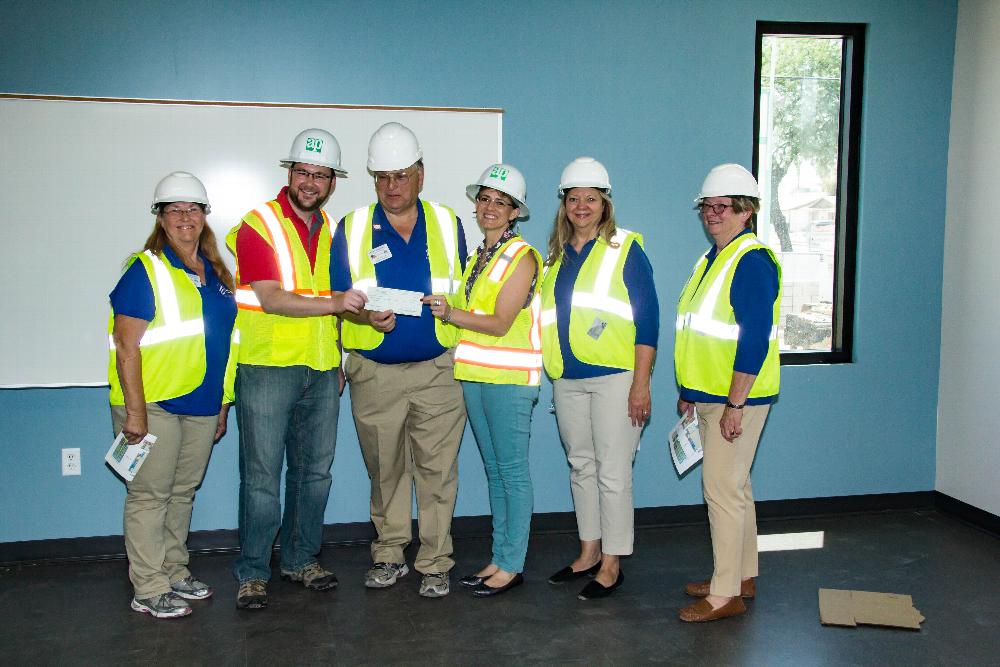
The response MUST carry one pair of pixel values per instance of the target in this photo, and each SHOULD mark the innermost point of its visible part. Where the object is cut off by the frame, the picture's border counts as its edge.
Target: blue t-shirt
(133, 296)
(752, 295)
(409, 268)
(638, 277)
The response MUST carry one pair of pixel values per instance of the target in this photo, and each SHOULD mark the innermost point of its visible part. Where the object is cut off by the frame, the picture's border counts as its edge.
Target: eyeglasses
(499, 203)
(386, 178)
(304, 175)
(178, 212)
(717, 209)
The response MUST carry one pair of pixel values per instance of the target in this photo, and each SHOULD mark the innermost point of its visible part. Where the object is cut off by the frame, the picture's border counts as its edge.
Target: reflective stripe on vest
(271, 339)
(245, 296)
(356, 243)
(442, 251)
(600, 298)
(703, 321)
(173, 345)
(707, 336)
(173, 326)
(517, 355)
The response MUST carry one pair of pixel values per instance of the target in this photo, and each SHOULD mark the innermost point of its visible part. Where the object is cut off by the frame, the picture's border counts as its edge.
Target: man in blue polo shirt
(408, 408)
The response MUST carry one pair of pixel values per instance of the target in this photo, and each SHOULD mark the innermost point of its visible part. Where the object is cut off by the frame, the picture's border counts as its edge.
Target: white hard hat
(317, 147)
(392, 147)
(179, 186)
(727, 180)
(502, 178)
(584, 172)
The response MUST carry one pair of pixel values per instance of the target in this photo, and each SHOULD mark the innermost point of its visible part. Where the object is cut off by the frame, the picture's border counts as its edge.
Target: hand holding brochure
(684, 443)
(125, 459)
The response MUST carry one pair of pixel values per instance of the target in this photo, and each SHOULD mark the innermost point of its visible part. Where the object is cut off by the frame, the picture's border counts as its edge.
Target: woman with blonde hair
(171, 376)
(600, 322)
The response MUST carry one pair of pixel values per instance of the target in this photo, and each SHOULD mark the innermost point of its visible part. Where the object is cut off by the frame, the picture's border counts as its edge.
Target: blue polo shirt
(638, 277)
(752, 295)
(409, 268)
(133, 296)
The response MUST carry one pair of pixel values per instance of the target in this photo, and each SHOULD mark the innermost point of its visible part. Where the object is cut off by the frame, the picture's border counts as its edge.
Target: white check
(399, 301)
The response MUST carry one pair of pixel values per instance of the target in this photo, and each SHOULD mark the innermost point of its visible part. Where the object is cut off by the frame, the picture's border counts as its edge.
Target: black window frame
(848, 174)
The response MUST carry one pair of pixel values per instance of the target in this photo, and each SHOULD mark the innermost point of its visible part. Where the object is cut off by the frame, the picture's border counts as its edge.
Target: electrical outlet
(71, 461)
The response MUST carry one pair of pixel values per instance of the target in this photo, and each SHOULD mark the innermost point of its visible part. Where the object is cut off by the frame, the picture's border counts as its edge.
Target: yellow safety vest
(442, 252)
(267, 339)
(516, 357)
(707, 333)
(173, 345)
(601, 327)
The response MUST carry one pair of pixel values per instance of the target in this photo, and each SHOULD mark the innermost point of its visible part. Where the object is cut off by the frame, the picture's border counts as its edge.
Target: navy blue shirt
(409, 268)
(638, 277)
(752, 295)
(133, 296)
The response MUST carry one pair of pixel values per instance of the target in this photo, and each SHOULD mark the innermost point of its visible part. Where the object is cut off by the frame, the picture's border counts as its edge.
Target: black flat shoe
(569, 574)
(484, 591)
(594, 590)
(473, 580)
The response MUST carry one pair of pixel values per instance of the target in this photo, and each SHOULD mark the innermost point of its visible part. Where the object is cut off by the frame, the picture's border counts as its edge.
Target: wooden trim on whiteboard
(279, 105)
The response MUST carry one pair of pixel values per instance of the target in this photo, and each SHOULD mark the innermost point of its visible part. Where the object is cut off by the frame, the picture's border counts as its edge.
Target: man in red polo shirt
(288, 373)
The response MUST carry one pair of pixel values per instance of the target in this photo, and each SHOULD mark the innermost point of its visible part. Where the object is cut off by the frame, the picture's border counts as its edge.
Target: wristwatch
(730, 404)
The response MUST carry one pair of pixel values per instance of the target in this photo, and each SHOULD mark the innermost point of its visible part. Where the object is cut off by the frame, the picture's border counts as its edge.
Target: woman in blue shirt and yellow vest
(170, 364)
(499, 362)
(727, 364)
(600, 322)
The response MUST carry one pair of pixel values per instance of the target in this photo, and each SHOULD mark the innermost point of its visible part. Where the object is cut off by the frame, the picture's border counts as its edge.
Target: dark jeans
(284, 413)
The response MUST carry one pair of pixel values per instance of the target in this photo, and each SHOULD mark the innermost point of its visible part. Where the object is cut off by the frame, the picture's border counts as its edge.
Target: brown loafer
(702, 611)
(700, 589)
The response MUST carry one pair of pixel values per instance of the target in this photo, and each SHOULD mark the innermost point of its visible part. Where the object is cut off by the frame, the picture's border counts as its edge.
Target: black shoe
(474, 580)
(484, 591)
(569, 574)
(595, 590)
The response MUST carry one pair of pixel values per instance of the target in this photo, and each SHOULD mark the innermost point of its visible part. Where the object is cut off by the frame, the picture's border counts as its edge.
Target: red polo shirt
(256, 257)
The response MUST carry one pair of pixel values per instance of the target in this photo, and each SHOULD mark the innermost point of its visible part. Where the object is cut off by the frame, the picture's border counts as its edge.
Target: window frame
(848, 174)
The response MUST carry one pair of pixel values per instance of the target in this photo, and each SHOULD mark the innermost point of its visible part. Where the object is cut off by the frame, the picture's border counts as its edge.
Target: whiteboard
(77, 179)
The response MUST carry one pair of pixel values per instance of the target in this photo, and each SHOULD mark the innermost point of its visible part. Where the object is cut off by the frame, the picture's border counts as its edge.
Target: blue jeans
(500, 416)
(283, 413)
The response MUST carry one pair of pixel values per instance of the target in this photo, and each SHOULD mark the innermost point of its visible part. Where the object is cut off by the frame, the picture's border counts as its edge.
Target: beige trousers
(410, 419)
(600, 443)
(726, 482)
(160, 499)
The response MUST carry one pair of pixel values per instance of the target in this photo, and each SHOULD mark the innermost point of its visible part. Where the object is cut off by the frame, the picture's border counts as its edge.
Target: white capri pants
(600, 443)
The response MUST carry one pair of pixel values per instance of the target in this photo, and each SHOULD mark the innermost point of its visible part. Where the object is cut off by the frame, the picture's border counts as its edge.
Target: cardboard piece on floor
(849, 608)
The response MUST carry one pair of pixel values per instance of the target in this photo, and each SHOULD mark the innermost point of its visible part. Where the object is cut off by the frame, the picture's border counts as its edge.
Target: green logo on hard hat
(314, 144)
(499, 173)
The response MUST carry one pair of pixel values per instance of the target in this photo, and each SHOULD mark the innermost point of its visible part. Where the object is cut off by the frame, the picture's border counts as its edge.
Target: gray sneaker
(313, 576)
(165, 605)
(383, 575)
(252, 594)
(190, 588)
(435, 585)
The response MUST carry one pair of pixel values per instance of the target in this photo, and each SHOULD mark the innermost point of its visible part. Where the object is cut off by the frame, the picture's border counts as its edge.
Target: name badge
(597, 328)
(195, 280)
(380, 254)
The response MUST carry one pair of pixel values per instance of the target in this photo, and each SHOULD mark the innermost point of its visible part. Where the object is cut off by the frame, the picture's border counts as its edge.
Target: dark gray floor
(79, 614)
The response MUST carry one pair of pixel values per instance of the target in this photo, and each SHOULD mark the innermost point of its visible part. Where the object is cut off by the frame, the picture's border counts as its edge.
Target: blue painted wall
(659, 91)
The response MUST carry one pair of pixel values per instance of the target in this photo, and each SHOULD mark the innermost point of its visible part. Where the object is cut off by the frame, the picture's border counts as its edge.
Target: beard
(296, 196)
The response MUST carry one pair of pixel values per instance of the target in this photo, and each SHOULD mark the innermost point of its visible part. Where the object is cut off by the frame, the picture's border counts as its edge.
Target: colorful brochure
(125, 459)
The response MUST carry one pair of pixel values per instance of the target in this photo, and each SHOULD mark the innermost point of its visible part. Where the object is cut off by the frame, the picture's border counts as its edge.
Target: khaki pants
(160, 498)
(600, 443)
(726, 482)
(410, 419)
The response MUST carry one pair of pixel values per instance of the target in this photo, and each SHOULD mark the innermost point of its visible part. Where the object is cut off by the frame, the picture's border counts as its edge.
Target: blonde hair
(562, 228)
(207, 245)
